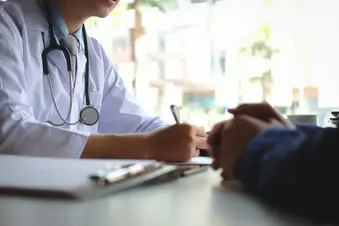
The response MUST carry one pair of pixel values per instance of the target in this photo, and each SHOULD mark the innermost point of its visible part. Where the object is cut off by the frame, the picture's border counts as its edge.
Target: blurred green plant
(269, 2)
(261, 47)
(163, 5)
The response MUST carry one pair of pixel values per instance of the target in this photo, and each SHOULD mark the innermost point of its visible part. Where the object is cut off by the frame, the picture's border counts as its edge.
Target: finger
(216, 164)
(240, 108)
(200, 131)
(279, 117)
(211, 152)
(247, 108)
(226, 176)
(232, 144)
(286, 124)
(232, 110)
(201, 143)
(215, 133)
(216, 127)
(254, 121)
(278, 123)
(215, 154)
(291, 126)
(226, 156)
(196, 153)
(275, 122)
(263, 111)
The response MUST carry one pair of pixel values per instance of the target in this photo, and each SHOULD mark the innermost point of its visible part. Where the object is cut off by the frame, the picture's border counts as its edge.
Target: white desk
(193, 201)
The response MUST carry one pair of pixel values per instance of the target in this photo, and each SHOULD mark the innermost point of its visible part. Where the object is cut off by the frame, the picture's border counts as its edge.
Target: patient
(291, 167)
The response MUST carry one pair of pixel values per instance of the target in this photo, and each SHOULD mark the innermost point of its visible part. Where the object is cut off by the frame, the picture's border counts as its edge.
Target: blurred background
(206, 56)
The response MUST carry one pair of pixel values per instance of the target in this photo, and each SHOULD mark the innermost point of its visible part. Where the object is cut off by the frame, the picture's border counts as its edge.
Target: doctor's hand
(230, 138)
(262, 111)
(177, 143)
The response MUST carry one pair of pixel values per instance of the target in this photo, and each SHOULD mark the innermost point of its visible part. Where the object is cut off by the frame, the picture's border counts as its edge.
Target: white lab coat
(25, 98)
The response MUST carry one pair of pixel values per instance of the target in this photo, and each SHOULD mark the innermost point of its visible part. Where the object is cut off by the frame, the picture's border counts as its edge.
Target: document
(69, 178)
(201, 161)
(195, 161)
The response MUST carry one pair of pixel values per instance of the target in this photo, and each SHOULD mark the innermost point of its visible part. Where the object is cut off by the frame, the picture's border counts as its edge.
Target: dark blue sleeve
(296, 170)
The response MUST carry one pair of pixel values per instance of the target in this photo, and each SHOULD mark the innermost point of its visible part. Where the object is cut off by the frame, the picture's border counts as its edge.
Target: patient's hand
(262, 111)
(230, 138)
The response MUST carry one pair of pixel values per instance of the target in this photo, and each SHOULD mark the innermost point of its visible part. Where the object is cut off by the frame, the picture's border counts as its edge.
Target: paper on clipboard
(68, 178)
(196, 161)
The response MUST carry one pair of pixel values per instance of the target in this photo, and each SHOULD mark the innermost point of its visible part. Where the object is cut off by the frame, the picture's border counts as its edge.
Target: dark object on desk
(204, 153)
(335, 114)
(335, 120)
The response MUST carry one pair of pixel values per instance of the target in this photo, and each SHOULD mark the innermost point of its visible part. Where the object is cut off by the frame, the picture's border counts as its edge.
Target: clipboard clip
(122, 173)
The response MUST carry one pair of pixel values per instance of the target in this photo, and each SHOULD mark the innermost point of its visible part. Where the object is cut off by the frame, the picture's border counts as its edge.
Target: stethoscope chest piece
(89, 116)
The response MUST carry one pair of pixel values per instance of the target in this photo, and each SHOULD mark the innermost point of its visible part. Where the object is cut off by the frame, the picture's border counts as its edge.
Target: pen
(122, 173)
(194, 171)
(119, 173)
(116, 173)
(175, 113)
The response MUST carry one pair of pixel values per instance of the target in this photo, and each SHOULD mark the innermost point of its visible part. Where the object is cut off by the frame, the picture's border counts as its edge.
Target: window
(234, 51)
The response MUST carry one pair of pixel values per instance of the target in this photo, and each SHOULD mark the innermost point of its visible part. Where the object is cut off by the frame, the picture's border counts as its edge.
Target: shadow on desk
(241, 196)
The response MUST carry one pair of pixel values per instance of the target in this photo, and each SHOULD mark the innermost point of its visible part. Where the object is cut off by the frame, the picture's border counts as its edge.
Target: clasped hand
(228, 139)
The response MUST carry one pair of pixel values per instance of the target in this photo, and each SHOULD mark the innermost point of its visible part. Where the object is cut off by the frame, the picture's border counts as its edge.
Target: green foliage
(259, 43)
(162, 5)
(269, 2)
(259, 46)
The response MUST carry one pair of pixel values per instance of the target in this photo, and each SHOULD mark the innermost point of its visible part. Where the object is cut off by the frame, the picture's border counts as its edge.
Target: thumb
(275, 122)
(232, 110)
(278, 123)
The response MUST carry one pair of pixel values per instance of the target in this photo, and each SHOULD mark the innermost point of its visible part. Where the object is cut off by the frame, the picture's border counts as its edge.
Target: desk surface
(197, 200)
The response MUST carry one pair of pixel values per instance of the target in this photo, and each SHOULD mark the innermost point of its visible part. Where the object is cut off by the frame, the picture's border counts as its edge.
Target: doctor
(60, 96)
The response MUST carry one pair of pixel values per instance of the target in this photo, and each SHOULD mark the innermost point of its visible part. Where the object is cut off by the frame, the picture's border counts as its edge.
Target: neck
(73, 19)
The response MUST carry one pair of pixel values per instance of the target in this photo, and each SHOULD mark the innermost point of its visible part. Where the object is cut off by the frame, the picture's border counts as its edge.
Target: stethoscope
(89, 115)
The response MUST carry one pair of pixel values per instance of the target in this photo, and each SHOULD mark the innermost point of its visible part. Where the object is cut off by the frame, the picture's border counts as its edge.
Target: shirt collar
(60, 27)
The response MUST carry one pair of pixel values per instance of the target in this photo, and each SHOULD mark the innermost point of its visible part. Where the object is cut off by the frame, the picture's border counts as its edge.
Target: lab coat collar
(35, 20)
(60, 27)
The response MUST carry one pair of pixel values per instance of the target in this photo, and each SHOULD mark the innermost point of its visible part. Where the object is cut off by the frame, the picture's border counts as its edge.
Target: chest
(45, 91)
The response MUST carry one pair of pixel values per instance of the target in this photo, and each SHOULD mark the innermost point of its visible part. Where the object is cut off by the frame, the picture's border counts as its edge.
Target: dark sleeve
(294, 170)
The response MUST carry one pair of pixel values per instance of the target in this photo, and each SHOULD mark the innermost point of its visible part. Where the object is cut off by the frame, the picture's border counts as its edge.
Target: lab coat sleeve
(294, 170)
(20, 132)
(121, 113)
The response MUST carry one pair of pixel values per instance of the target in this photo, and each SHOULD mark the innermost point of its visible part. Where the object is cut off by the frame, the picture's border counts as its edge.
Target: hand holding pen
(201, 140)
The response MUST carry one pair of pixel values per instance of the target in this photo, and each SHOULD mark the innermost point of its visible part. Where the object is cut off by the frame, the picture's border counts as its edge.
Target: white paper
(197, 161)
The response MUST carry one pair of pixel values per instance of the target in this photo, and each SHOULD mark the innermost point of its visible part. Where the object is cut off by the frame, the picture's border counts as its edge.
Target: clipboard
(71, 178)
